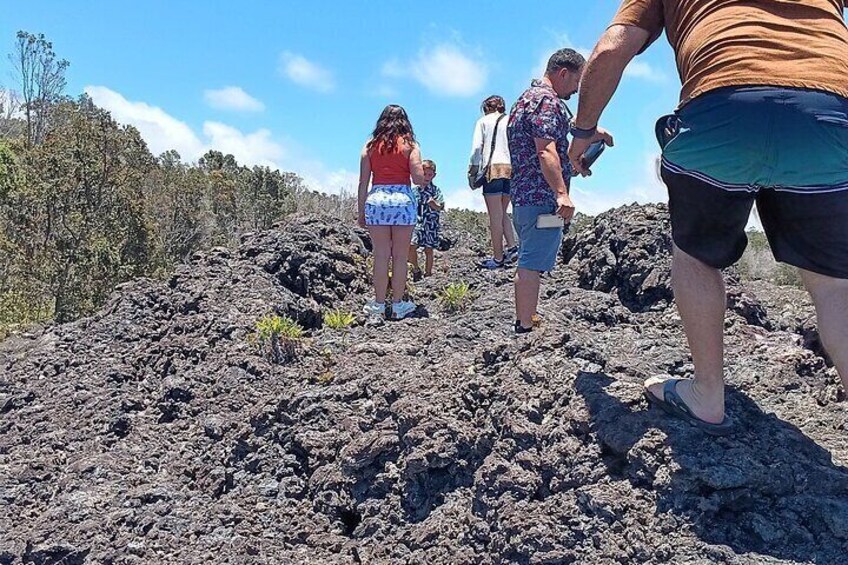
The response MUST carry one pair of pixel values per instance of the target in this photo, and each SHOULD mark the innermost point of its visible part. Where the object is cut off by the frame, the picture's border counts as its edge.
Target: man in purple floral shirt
(539, 124)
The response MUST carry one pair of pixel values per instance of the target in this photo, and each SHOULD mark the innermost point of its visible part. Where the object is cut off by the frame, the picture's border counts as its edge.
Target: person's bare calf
(496, 223)
(413, 258)
(701, 299)
(428, 261)
(526, 295)
(830, 296)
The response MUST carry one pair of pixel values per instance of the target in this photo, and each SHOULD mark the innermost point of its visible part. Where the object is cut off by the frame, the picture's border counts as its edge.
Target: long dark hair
(392, 126)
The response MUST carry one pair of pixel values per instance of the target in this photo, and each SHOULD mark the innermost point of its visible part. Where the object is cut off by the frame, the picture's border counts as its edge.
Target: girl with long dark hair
(391, 161)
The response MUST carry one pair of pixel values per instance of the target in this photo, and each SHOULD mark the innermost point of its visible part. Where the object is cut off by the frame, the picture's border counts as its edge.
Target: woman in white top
(495, 163)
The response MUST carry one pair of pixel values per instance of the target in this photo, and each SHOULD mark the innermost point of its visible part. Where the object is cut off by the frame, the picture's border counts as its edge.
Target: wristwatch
(580, 133)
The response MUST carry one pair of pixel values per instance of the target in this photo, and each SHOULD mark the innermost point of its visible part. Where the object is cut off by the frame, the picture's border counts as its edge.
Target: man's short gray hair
(565, 59)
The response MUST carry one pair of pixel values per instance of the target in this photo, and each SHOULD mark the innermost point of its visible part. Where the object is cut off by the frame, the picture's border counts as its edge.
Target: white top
(481, 144)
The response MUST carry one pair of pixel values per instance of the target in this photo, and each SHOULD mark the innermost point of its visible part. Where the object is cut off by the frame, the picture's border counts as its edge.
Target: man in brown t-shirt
(763, 118)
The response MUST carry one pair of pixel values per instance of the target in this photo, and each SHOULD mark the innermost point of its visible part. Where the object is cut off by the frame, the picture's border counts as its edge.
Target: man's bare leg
(526, 295)
(830, 296)
(701, 300)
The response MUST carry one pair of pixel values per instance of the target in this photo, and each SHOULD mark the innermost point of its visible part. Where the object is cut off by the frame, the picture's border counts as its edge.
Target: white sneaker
(374, 308)
(403, 309)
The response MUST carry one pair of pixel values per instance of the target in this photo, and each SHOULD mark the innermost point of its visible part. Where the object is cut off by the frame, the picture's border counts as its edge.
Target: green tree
(178, 207)
(265, 196)
(222, 175)
(22, 300)
(84, 205)
(41, 78)
(77, 220)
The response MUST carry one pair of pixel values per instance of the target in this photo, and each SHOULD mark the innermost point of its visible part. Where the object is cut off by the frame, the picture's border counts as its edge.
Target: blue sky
(299, 85)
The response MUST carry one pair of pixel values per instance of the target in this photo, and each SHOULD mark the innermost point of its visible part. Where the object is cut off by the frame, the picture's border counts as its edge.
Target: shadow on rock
(768, 489)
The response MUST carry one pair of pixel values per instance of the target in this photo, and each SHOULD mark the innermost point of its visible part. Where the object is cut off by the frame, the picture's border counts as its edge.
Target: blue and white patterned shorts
(391, 205)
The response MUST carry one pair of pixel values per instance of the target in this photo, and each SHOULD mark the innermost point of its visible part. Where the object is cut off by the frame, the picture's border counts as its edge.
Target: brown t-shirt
(792, 43)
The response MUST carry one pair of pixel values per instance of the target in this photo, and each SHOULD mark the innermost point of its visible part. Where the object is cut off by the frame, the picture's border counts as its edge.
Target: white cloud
(304, 72)
(232, 98)
(160, 130)
(754, 222)
(640, 69)
(465, 199)
(10, 106)
(318, 177)
(255, 148)
(444, 70)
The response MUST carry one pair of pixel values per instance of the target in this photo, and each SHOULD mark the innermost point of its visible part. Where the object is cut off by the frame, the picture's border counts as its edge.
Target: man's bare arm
(552, 171)
(614, 51)
(551, 165)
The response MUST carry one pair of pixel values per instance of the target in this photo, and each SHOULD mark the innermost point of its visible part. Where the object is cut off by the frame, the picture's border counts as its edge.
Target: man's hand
(361, 219)
(433, 204)
(605, 136)
(565, 207)
(579, 146)
(575, 154)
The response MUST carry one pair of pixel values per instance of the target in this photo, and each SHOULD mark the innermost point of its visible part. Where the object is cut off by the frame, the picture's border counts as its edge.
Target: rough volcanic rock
(626, 251)
(155, 433)
(315, 259)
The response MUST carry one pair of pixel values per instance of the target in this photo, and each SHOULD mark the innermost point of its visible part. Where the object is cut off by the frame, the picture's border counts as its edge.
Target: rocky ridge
(154, 432)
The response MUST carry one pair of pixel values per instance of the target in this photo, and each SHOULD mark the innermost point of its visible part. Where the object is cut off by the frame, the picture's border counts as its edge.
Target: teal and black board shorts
(785, 149)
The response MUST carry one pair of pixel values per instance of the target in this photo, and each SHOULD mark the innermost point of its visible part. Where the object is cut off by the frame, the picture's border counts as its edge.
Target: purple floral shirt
(538, 112)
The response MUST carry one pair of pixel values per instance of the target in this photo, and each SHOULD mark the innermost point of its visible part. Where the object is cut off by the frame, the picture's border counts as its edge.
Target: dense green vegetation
(84, 205)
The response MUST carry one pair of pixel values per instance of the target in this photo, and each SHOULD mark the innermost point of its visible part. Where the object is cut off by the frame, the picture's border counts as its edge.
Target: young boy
(426, 234)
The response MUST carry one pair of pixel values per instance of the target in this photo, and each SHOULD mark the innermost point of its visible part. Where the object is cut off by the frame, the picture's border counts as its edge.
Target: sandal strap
(670, 396)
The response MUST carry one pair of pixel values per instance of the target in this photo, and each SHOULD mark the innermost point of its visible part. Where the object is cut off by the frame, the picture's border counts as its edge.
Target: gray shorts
(538, 248)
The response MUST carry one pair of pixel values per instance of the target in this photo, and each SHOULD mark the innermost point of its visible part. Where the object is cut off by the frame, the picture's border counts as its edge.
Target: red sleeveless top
(390, 168)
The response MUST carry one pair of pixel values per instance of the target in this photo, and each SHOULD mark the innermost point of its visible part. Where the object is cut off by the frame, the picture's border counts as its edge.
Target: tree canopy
(84, 205)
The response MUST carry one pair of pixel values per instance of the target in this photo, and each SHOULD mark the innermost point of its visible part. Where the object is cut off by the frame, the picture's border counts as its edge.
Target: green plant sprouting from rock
(279, 337)
(338, 319)
(455, 297)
